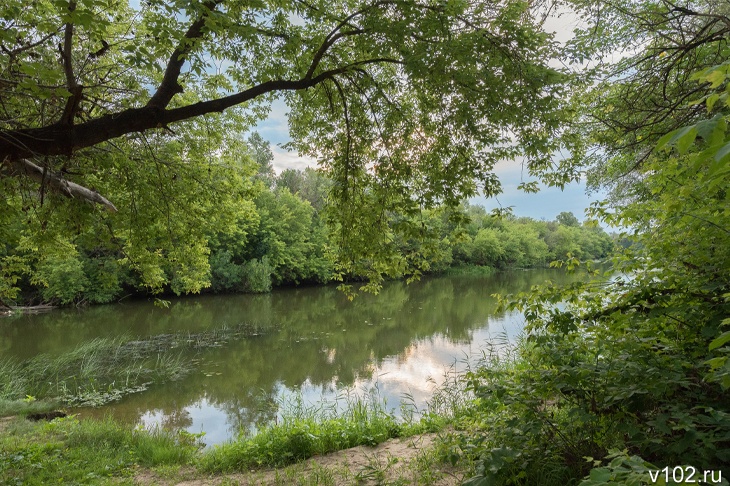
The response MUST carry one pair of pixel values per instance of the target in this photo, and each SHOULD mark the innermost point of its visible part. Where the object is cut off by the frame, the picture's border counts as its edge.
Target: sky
(546, 204)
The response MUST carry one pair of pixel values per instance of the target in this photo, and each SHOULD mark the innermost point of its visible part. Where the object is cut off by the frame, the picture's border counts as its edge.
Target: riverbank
(526, 415)
(362, 443)
(363, 446)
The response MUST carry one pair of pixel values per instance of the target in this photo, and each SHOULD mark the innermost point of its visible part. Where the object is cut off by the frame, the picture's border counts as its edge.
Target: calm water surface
(315, 344)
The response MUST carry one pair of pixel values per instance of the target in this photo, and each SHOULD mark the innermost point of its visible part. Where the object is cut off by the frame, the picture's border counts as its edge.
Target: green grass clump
(69, 451)
(304, 433)
(25, 406)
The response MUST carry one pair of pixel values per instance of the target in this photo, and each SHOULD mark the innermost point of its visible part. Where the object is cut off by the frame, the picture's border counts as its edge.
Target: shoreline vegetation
(95, 451)
(288, 244)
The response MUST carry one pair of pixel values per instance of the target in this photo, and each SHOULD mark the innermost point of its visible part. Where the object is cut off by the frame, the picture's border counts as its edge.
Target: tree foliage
(629, 374)
(641, 86)
(407, 104)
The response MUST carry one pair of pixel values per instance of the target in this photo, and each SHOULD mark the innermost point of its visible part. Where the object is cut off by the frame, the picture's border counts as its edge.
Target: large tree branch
(61, 139)
(55, 181)
(336, 34)
(325, 46)
(170, 86)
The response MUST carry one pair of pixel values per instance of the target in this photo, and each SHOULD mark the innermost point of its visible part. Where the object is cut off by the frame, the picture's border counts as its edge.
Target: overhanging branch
(170, 86)
(63, 139)
(56, 182)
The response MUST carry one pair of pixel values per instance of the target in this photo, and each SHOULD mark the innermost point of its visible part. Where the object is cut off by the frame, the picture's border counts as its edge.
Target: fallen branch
(56, 182)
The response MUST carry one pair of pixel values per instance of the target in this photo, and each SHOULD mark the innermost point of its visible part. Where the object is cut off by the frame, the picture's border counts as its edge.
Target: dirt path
(394, 462)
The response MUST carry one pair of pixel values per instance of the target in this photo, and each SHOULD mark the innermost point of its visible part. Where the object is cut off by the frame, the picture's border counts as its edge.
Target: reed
(103, 370)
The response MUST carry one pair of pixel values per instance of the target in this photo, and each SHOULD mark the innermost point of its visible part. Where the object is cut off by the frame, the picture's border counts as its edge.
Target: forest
(129, 162)
(283, 240)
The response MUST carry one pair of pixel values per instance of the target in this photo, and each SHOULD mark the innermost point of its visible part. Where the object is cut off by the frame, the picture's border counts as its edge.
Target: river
(314, 345)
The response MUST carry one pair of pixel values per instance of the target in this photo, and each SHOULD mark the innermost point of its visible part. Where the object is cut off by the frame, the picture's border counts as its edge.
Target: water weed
(104, 370)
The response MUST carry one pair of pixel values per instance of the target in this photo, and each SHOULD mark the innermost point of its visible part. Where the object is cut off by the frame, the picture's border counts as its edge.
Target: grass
(104, 370)
(70, 451)
(308, 431)
(73, 451)
(26, 406)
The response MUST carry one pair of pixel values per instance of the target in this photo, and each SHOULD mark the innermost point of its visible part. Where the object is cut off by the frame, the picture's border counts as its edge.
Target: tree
(409, 102)
(261, 152)
(629, 104)
(567, 218)
(638, 363)
(174, 206)
(310, 184)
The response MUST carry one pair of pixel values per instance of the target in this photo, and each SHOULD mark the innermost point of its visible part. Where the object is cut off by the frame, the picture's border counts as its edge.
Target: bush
(226, 276)
(62, 277)
(256, 276)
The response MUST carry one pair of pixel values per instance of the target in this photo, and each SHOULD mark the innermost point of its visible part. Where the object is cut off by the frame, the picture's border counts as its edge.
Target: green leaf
(685, 138)
(711, 100)
(682, 138)
(716, 363)
(478, 481)
(665, 140)
(722, 152)
(720, 340)
(600, 474)
(712, 130)
(715, 78)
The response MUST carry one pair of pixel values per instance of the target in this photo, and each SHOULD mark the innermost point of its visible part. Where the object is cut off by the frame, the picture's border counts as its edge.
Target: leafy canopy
(406, 103)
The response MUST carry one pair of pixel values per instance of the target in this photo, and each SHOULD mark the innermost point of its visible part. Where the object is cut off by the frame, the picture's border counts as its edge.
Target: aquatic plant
(106, 369)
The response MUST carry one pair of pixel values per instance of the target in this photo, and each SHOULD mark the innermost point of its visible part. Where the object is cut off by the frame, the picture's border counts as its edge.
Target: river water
(314, 345)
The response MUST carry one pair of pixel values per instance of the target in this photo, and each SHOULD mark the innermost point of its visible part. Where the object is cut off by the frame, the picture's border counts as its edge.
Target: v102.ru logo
(685, 475)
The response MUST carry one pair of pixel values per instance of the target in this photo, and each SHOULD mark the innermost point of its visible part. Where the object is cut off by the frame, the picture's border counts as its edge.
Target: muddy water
(315, 345)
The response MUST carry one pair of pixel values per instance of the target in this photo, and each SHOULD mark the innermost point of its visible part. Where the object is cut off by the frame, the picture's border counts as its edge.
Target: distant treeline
(283, 238)
(288, 246)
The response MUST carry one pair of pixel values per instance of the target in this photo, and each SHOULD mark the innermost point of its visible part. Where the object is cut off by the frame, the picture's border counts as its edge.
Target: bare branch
(56, 182)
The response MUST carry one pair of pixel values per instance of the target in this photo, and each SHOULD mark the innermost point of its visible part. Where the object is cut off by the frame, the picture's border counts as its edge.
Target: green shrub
(226, 276)
(63, 278)
(256, 276)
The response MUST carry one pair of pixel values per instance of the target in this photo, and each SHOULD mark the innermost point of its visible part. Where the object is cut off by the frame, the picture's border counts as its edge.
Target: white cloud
(284, 159)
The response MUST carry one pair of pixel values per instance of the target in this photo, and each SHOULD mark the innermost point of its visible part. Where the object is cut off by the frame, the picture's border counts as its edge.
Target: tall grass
(305, 431)
(103, 370)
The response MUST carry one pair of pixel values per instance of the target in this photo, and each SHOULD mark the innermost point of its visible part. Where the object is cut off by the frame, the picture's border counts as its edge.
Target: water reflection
(318, 344)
